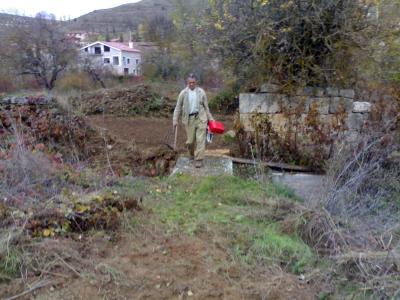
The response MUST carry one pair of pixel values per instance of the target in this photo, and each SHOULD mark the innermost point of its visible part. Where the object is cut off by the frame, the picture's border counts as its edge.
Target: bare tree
(42, 50)
(94, 68)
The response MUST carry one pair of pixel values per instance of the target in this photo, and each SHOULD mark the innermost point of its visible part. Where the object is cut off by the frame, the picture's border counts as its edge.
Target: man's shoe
(198, 164)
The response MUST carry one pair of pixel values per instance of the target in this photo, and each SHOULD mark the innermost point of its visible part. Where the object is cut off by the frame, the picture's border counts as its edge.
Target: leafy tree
(41, 50)
(382, 64)
(161, 30)
(190, 47)
(296, 41)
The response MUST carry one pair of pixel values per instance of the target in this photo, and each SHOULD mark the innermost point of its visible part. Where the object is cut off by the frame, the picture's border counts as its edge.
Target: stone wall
(328, 102)
(327, 112)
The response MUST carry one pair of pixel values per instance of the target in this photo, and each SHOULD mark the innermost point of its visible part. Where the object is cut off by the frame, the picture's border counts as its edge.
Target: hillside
(8, 21)
(116, 20)
(126, 17)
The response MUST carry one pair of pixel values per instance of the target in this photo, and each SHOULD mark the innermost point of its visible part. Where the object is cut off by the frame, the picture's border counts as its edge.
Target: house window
(106, 49)
(126, 71)
(97, 50)
(128, 61)
(86, 49)
(137, 61)
(107, 60)
(115, 60)
(123, 60)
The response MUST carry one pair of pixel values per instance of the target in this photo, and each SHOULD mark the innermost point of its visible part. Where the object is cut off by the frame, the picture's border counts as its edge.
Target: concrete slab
(306, 186)
(213, 166)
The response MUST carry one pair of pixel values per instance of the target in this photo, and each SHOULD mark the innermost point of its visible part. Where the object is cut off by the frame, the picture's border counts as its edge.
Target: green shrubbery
(226, 101)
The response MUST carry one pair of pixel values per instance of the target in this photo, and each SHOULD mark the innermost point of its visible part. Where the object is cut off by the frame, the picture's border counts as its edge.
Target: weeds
(242, 210)
(11, 263)
(288, 251)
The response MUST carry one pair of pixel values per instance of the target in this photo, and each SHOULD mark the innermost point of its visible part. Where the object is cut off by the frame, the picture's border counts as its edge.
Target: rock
(322, 104)
(355, 121)
(351, 136)
(310, 91)
(394, 157)
(213, 166)
(347, 93)
(230, 134)
(279, 122)
(361, 107)
(334, 92)
(259, 103)
(294, 103)
(19, 100)
(24, 100)
(269, 88)
(336, 102)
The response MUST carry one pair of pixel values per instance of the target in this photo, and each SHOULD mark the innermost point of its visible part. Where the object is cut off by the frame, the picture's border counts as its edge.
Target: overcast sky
(60, 8)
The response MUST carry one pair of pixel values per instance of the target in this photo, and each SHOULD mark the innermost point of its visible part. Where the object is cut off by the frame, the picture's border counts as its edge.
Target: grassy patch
(284, 249)
(11, 263)
(239, 212)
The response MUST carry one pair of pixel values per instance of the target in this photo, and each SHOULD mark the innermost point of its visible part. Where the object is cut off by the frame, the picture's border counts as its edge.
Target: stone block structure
(310, 115)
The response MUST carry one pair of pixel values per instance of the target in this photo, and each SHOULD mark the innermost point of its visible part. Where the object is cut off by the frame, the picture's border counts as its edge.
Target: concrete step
(212, 166)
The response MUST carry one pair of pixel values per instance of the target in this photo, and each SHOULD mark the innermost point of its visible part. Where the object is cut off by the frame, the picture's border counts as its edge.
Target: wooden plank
(274, 165)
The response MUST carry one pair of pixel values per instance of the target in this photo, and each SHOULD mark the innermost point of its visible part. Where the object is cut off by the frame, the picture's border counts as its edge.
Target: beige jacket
(182, 106)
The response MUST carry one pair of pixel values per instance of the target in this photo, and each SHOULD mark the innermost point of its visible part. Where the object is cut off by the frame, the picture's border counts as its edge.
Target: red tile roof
(120, 46)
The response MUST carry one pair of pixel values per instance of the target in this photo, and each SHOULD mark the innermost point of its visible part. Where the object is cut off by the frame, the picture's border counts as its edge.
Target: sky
(60, 8)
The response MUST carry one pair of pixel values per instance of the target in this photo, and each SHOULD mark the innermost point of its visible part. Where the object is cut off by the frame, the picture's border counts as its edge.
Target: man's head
(191, 81)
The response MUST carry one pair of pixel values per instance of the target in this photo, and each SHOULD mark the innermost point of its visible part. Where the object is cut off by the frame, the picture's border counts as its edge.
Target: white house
(123, 58)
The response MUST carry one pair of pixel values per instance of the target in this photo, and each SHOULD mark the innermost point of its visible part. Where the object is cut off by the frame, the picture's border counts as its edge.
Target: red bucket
(216, 127)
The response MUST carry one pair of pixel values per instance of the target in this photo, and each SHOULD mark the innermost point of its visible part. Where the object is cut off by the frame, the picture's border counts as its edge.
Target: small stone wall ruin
(310, 116)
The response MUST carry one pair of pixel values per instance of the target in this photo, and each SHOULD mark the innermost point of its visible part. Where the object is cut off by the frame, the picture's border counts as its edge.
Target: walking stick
(176, 137)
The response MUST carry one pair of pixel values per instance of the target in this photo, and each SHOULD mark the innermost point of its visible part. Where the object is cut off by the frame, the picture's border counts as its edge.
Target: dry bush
(362, 196)
(317, 229)
(363, 181)
(74, 81)
(22, 171)
(305, 143)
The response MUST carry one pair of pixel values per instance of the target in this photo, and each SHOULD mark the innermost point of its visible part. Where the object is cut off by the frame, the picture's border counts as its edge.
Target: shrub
(225, 101)
(74, 81)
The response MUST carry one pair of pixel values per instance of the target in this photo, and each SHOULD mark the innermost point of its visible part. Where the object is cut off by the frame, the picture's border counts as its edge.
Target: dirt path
(151, 132)
(150, 265)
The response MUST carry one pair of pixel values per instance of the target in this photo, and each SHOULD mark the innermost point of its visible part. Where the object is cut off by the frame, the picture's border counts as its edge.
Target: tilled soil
(147, 133)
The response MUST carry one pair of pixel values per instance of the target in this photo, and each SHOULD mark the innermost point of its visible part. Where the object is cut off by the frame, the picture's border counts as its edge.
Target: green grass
(284, 249)
(240, 212)
(11, 262)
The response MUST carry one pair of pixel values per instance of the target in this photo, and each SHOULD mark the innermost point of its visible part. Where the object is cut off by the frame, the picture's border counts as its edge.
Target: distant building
(122, 58)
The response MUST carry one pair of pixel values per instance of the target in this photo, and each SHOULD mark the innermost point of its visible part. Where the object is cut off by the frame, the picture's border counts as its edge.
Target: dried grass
(23, 170)
(362, 207)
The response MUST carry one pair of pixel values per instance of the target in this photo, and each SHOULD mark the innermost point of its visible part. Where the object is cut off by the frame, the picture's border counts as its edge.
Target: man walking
(193, 104)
